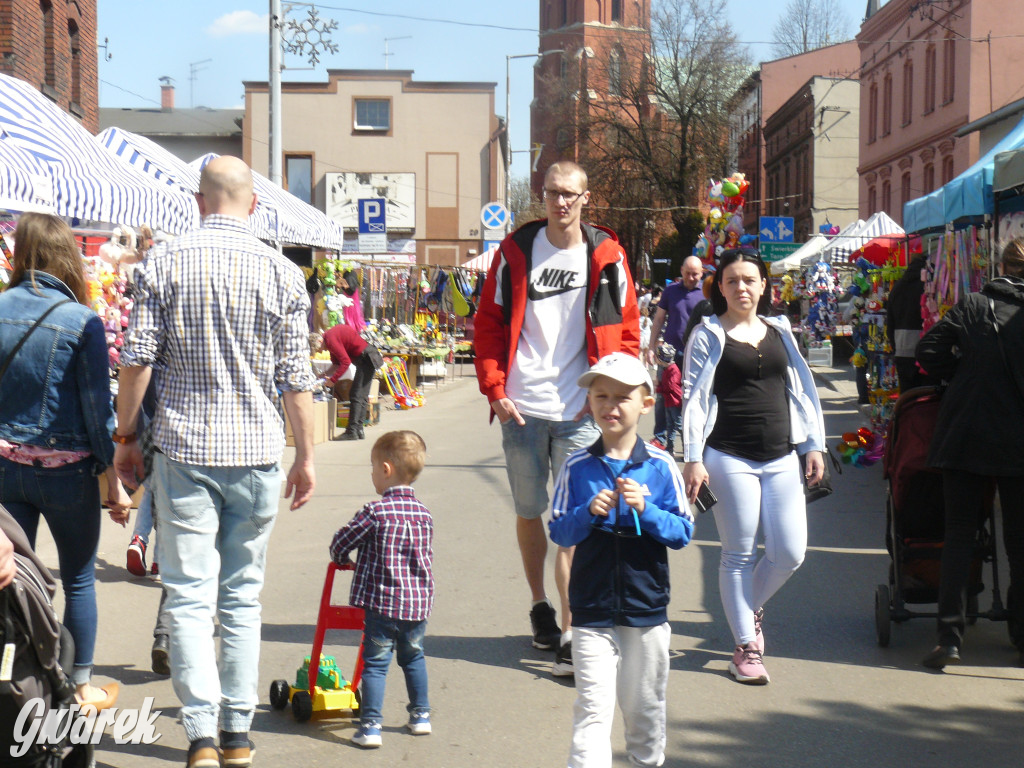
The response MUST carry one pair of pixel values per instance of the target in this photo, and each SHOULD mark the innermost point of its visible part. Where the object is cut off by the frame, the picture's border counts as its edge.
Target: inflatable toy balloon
(715, 193)
(747, 239)
(730, 189)
(716, 217)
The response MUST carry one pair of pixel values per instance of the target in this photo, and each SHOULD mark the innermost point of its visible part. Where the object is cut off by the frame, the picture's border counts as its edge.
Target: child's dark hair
(404, 450)
(729, 257)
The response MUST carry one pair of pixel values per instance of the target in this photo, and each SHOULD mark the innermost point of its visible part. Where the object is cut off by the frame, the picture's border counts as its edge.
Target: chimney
(166, 93)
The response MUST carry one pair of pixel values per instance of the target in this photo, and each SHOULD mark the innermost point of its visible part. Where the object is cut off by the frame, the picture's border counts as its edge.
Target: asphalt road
(835, 696)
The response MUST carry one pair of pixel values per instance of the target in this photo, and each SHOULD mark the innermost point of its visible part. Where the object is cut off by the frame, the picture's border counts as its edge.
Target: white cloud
(357, 29)
(238, 23)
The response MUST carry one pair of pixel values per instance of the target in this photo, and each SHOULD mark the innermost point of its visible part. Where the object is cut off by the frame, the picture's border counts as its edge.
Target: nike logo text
(556, 280)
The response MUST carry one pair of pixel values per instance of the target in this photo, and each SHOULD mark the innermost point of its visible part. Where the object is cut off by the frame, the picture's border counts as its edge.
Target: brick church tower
(586, 49)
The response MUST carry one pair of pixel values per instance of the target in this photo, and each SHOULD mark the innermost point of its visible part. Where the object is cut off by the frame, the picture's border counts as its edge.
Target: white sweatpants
(628, 665)
(751, 492)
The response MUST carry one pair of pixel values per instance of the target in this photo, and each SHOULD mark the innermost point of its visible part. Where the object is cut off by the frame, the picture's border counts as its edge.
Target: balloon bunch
(725, 220)
(862, 448)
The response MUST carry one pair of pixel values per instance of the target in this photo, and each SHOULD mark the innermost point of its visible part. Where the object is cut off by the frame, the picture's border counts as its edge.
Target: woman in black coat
(978, 347)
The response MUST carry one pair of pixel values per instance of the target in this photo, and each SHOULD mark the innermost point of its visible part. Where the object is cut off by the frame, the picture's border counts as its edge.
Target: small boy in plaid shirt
(393, 581)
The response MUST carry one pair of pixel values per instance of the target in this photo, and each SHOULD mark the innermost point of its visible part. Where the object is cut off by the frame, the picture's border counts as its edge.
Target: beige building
(431, 150)
(811, 145)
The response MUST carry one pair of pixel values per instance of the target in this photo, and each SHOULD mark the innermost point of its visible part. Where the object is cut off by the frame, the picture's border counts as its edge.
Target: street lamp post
(508, 116)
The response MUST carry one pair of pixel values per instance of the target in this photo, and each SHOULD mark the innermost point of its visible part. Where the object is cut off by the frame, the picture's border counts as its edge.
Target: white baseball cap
(619, 367)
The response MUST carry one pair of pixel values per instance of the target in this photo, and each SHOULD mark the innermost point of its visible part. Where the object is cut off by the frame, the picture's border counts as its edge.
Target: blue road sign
(371, 216)
(776, 229)
(494, 216)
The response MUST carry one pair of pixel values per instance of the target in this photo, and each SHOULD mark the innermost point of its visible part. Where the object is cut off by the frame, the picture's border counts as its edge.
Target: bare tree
(649, 117)
(809, 24)
(523, 204)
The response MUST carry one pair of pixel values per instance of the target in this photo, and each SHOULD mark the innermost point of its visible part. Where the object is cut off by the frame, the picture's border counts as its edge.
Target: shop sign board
(778, 251)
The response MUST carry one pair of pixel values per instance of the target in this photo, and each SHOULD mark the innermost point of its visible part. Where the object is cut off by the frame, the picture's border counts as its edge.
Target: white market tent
(24, 183)
(806, 254)
(87, 183)
(284, 217)
(846, 242)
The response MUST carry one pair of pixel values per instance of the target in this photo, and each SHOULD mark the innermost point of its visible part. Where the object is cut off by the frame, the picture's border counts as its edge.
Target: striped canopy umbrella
(151, 159)
(282, 217)
(88, 184)
(24, 183)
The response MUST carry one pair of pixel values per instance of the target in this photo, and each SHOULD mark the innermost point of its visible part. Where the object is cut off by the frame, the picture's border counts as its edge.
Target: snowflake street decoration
(309, 37)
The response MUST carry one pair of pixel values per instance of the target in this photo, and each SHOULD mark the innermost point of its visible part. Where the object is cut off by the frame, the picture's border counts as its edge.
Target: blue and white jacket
(700, 406)
(619, 578)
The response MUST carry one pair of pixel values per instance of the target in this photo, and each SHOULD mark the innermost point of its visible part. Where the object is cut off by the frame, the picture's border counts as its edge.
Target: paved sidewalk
(835, 697)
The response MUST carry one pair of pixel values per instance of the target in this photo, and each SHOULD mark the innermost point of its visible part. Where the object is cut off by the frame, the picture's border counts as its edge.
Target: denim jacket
(56, 392)
(700, 406)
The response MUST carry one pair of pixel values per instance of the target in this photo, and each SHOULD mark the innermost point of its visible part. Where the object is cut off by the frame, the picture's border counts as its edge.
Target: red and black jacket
(613, 321)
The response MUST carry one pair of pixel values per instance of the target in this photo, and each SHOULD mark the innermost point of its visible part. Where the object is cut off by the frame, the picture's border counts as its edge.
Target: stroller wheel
(882, 621)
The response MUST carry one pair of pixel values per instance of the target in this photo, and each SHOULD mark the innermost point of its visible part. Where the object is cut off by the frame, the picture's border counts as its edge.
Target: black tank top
(753, 413)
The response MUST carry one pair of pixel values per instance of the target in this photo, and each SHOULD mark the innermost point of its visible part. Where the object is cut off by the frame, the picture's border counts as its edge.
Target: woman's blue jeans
(382, 636)
(68, 498)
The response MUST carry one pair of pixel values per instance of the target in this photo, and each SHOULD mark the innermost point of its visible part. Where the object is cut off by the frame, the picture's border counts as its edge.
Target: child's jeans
(381, 637)
(628, 665)
(671, 421)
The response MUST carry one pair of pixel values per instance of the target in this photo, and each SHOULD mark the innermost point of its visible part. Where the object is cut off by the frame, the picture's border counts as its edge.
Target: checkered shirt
(393, 572)
(222, 318)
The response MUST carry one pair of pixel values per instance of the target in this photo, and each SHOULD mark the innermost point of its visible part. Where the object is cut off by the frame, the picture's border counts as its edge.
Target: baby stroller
(915, 521)
(36, 649)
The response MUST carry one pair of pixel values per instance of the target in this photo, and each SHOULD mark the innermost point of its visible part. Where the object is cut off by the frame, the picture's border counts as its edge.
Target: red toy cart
(319, 687)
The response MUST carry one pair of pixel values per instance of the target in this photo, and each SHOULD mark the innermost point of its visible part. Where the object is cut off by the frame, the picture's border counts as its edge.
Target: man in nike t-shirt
(558, 296)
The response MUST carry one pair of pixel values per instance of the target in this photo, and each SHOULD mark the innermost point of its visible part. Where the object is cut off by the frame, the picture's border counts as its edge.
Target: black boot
(356, 417)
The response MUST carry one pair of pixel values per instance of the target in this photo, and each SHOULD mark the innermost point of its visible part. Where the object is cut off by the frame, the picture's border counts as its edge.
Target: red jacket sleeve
(491, 338)
(630, 314)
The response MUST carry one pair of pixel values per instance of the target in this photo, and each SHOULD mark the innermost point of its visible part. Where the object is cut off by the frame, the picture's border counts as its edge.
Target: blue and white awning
(151, 159)
(24, 184)
(88, 184)
(282, 217)
(846, 242)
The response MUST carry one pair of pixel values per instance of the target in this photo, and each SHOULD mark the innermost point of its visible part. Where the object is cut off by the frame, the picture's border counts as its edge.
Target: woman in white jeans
(751, 408)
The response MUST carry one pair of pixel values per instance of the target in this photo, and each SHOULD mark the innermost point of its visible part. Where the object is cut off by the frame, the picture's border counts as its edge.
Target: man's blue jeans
(382, 636)
(215, 523)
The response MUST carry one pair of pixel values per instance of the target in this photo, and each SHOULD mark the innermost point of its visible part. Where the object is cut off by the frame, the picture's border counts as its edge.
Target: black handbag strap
(1002, 351)
(21, 342)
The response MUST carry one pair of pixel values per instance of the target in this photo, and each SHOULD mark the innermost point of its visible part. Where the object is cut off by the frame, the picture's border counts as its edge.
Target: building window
(49, 44)
(904, 190)
(873, 113)
(373, 114)
(565, 12)
(872, 199)
(908, 92)
(948, 70)
(887, 105)
(562, 139)
(886, 196)
(929, 178)
(614, 73)
(298, 176)
(929, 79)
(617, 11)
(947, 169)
(76, 63)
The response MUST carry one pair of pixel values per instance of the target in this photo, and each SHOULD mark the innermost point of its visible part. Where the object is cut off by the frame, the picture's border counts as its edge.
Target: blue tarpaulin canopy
(969, 194)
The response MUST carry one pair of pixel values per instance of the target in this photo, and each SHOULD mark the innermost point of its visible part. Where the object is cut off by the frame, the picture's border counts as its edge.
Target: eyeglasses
(569, 198)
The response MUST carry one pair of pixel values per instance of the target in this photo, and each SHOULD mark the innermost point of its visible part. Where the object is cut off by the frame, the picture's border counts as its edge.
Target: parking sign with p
(371, 216)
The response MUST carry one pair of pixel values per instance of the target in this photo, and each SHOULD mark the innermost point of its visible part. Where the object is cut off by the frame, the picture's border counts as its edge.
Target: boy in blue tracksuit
(621, 503)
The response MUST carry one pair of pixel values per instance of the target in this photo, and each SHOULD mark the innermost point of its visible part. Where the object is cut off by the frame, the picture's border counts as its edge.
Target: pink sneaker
(758, 630)
(747, 666)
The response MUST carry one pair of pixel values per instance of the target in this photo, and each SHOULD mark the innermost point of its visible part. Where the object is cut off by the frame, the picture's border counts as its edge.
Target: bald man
(223, 316)
(677, 302)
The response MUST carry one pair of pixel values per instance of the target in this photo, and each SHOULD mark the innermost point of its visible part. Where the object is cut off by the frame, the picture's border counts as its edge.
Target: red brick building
(51, 44)
(585, 45)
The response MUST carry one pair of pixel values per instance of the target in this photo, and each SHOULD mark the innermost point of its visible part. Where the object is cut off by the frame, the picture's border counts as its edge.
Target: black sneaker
(546, 633)
(562, 665)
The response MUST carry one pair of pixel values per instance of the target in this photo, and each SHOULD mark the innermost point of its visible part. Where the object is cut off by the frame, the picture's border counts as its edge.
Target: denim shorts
(535, 452)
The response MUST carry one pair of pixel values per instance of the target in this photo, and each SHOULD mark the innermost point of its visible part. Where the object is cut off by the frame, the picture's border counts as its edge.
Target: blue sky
(226, 41)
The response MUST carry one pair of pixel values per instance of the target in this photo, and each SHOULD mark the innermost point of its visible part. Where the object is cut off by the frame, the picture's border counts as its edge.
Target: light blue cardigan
(700, 407)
